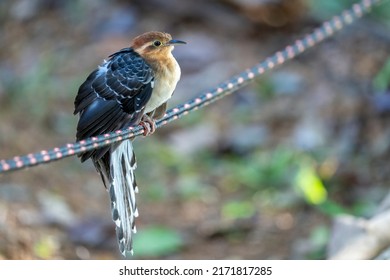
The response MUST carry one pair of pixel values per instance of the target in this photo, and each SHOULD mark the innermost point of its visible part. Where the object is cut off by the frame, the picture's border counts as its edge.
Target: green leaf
(310, 185)
(238, 210)
(323, 10)
(45, 247)
(382, 79)
(155, 191)
(332, 208)
(319, 237)
(156, 241)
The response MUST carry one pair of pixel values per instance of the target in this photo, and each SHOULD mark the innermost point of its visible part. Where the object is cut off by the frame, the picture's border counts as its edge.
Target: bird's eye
(157, 43)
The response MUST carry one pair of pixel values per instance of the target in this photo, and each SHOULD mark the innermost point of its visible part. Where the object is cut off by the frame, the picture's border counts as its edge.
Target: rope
(327, 29)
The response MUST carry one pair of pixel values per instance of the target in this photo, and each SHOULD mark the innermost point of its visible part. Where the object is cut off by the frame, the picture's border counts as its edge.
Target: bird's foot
(148, 124)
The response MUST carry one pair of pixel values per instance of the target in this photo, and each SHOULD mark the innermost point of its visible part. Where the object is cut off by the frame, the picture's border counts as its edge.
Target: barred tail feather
(117, 170)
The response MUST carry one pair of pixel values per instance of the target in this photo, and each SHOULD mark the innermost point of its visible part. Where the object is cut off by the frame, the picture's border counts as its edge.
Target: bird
(130, 88)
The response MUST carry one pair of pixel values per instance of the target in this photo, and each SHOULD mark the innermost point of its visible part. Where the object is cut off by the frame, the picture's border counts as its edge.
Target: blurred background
(262, 174)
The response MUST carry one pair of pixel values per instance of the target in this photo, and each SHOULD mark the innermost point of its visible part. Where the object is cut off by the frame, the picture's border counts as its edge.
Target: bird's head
(154, 44)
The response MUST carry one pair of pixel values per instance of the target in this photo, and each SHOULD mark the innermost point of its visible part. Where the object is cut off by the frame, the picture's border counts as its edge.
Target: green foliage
(155, 191)
(382, 12)
(233, 210)
(45, 247)
(331, 208)
(310, 184)
(157, 241)
(382, 79)
(38, 89)
(318, 239)
(265, 87)
(191, 188)
(324, 10)
(32, 91)
(275, 178)
(258, 170)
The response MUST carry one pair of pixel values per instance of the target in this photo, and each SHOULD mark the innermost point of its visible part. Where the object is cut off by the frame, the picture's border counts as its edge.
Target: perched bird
(132, 87)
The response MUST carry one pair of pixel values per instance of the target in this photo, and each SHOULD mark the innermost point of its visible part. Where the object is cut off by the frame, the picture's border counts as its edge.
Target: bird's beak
(176, 42)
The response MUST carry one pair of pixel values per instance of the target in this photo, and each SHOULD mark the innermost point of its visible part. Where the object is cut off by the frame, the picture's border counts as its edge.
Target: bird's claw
(148, 124)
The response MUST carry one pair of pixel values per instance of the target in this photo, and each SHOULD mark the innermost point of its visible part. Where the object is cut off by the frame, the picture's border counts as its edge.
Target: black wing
(113, 96)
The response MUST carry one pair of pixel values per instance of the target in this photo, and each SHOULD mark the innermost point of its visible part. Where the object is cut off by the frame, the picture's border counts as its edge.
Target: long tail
(117, 169)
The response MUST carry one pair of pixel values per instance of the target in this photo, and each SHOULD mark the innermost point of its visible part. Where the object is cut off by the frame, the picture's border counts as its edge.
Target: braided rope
(327, 29)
